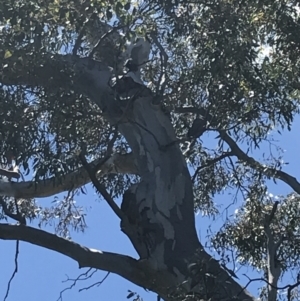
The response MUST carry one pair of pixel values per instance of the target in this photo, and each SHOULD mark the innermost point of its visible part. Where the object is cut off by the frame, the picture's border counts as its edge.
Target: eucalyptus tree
(121, 94)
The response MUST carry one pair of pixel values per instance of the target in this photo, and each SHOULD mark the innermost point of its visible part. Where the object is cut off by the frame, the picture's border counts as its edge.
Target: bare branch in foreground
(82, 277)
(125, 266)
(117, 163)
(95, 284)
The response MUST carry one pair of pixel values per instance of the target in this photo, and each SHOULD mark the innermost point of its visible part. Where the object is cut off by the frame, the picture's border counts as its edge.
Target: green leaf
(7, 54)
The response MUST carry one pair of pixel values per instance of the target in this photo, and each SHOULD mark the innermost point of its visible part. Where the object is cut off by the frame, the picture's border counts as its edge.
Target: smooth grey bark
(273, 264)
(159, 209)
(117, 163)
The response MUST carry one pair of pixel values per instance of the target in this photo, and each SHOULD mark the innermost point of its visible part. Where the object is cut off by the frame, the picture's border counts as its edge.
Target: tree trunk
(159, 211)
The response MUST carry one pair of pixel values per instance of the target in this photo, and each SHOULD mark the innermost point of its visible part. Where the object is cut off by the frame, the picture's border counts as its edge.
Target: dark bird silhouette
(198, 128)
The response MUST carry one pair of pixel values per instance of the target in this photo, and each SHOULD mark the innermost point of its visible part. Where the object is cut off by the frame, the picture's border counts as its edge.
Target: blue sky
(41, 272)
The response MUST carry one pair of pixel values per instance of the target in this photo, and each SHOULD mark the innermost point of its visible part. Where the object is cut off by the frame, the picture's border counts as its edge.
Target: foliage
(246, 232)
(233, 63)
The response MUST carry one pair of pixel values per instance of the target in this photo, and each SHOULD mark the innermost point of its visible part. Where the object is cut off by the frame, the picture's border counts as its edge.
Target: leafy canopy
(233, 64)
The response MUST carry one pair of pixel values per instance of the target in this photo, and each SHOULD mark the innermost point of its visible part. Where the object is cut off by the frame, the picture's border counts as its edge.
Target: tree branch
(101, 188)
(117, 163)
(268, 171)
(211, 162)
(125, 266)
(9, 173)
(34, 70)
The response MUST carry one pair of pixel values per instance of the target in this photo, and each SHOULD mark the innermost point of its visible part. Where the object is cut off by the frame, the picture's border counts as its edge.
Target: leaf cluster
(246, 234)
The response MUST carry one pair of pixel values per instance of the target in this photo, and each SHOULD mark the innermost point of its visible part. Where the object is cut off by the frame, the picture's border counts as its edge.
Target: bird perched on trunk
(130, 84)
(135, 56)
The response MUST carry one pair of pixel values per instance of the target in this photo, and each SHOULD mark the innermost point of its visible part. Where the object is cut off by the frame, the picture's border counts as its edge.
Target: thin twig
(162, 82)
(211, 162)
(94, 284)
(288, 286)
(15, 270)
(75, 281)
